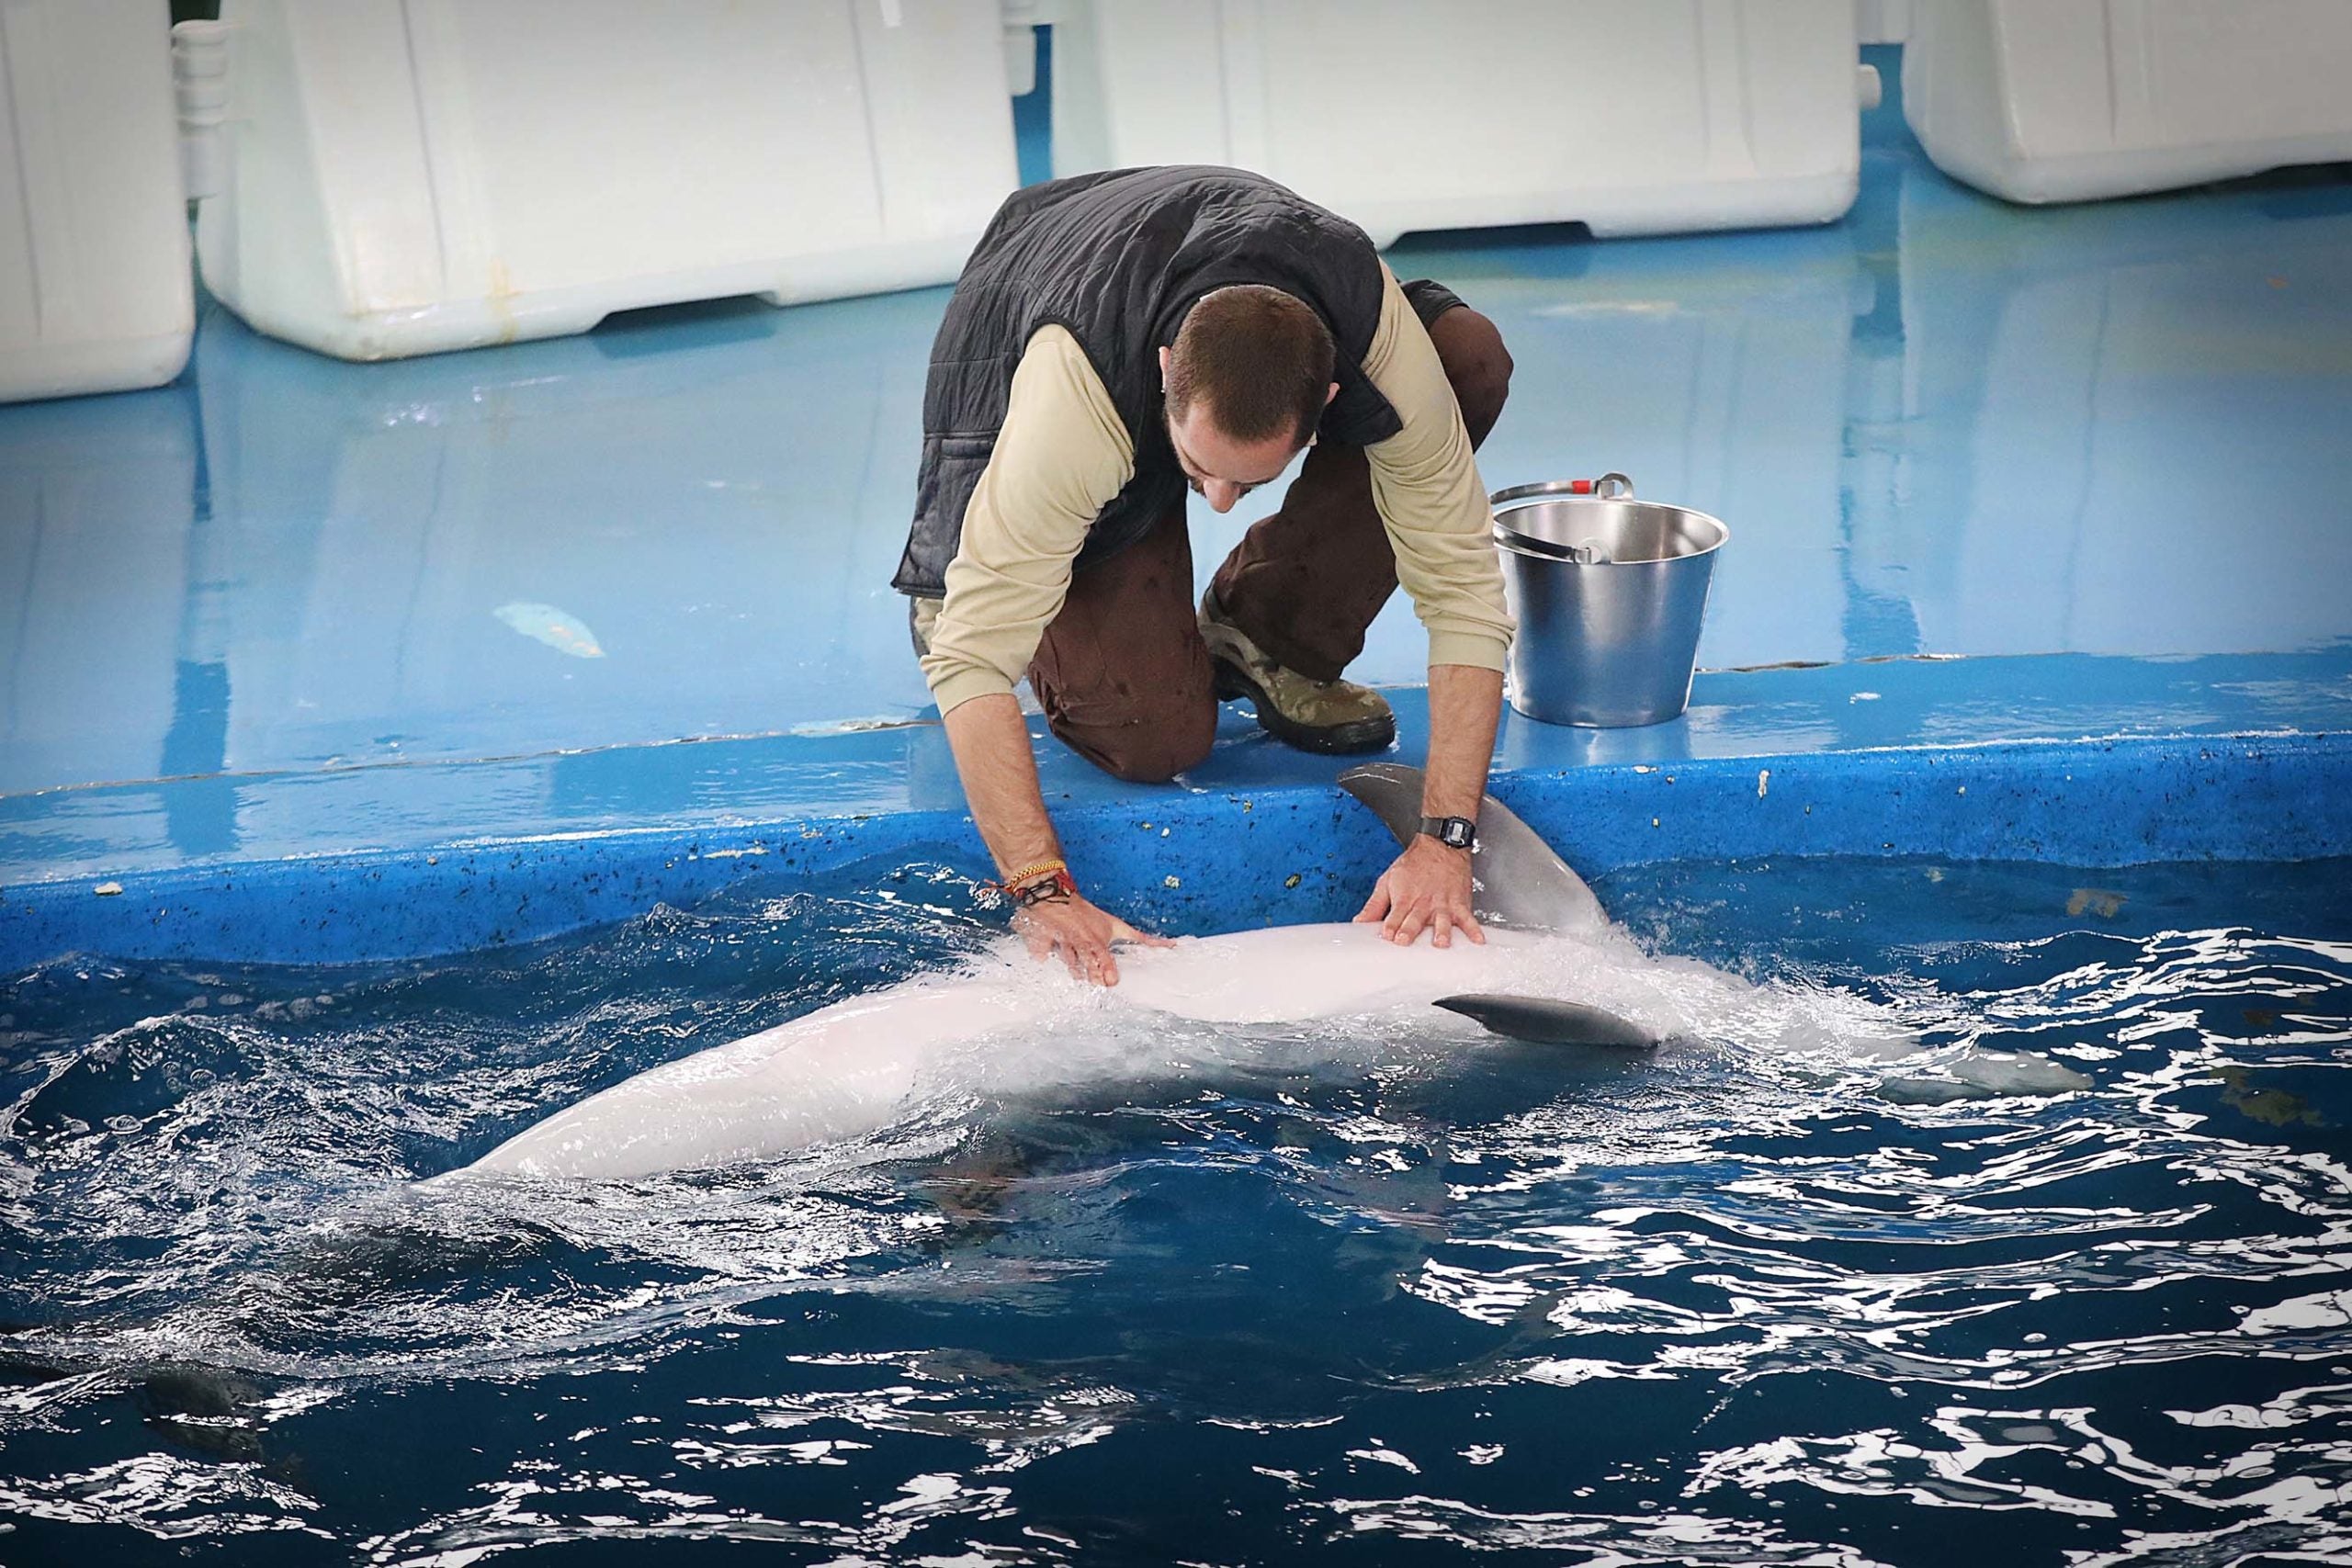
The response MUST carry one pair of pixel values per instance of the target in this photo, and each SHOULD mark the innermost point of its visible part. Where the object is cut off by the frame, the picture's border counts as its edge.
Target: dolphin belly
(854, 1068)
(1286, 974)
(840, 1072)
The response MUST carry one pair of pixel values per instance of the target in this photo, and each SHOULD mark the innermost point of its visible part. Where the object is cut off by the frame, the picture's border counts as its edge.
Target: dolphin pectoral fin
(1544, 1021)
(1521, 881)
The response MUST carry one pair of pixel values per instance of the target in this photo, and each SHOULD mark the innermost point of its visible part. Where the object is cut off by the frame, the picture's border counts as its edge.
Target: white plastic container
(1882, 21)
(95, 292)
(1632, 118)
(407, 175)
(2072, 100)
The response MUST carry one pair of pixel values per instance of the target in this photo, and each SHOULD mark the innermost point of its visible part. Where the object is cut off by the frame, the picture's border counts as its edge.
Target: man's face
(1219, 469)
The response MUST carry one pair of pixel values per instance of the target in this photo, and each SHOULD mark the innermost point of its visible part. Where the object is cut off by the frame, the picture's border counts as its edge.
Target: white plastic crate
(406, 175)
(95, 293)
(2072, 100)
(1668, 115)
(1882, 21)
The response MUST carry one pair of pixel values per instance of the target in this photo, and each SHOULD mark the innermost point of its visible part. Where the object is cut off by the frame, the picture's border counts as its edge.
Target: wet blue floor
(291, 607)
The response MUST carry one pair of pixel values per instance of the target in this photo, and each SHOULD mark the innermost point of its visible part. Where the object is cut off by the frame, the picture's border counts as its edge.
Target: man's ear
(1165, 356)
(1327, 396)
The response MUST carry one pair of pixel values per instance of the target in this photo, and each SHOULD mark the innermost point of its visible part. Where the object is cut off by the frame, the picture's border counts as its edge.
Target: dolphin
(863, 1064)
(852, 1067)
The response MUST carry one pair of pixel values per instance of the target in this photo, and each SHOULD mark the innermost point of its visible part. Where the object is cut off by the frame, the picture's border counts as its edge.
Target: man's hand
(1081, 933)
(1427, 889)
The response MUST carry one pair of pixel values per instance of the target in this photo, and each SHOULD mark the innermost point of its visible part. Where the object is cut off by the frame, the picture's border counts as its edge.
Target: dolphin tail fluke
(1542, 1022)
(1521, 881)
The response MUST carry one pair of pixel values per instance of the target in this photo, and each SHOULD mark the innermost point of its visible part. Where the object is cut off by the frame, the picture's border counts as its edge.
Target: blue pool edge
(1198, 859)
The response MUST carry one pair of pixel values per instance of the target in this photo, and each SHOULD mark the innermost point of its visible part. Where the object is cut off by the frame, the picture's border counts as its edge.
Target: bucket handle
(1600, 487)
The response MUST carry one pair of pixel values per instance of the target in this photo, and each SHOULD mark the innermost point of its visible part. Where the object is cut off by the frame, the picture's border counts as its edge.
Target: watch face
(1457, 834)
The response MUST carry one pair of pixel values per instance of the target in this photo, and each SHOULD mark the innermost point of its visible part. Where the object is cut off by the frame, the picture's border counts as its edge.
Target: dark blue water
(1736, 1303)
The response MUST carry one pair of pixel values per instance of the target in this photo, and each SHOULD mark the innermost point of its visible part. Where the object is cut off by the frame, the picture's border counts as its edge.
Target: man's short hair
(1259, 358)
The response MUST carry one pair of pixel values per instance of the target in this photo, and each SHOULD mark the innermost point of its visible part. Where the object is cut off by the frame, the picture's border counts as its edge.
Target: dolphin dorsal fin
(1521, 882)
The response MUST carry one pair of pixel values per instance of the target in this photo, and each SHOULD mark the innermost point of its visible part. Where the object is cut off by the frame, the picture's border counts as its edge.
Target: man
(1119, 338)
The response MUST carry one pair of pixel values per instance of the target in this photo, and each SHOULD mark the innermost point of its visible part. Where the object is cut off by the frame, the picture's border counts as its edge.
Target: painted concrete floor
(291, 605)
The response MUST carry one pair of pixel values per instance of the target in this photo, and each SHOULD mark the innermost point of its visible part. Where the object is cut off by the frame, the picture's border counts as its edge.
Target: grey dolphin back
(1520, 883)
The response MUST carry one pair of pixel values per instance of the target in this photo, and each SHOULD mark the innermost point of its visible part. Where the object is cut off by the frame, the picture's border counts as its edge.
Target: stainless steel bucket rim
(1550, 491)
(1543, 550)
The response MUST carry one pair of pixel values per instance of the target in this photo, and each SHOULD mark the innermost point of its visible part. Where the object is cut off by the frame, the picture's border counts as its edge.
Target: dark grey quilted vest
(1118, 258)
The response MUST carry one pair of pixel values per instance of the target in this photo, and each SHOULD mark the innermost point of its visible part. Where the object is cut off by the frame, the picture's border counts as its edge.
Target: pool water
(1734, 1302)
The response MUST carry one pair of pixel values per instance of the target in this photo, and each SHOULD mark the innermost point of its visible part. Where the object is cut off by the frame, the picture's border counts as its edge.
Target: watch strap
(1454, 832)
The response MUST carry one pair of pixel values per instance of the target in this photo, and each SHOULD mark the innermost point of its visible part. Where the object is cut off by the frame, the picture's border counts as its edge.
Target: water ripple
(2051, 1226)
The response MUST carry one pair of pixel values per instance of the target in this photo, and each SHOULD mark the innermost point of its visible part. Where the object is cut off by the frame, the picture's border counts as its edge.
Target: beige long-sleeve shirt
(1062, 455)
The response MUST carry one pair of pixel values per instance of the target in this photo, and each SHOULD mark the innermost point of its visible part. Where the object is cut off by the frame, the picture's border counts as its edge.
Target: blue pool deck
(2042, 549)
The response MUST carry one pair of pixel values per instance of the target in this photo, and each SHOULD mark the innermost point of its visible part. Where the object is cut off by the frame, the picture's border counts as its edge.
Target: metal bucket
(1609, 591)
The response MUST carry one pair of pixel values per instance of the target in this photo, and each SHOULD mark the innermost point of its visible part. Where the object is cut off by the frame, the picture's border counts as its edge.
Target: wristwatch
(1454, 832)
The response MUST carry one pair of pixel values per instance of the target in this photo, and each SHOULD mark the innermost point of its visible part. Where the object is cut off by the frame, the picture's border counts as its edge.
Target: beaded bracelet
(1045, 881)
(1026, 872)
(1049, 888)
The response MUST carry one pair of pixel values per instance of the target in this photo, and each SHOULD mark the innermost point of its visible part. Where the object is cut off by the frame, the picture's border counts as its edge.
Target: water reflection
(97, 505)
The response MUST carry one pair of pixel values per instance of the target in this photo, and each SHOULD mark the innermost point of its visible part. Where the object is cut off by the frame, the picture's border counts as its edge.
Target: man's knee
(1162, 750)
(1477, 366)
(1148, 751)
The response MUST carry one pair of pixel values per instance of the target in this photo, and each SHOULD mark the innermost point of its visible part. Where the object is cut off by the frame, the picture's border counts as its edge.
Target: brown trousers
(1122, 672)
